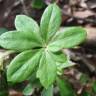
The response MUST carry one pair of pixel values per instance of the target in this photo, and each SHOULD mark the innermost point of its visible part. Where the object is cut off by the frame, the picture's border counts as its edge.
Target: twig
(10, 9)
(89, 65)
(24, 7)
(82, 57)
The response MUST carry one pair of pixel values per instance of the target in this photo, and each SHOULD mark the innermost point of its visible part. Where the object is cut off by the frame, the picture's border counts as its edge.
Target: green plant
(38, 4)
(41, 48)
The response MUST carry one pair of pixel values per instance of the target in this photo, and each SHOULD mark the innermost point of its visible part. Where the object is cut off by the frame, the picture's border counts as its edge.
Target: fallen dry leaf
(83, 14)
(15, 93)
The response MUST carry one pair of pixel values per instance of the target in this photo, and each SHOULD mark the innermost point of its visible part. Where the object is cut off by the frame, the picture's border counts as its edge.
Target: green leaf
(38, 4)
(50, 21)
(23, 65)
(34, 80)
(65, 87)
(47, 70)
(48, 92)
(28, 25)
(67, 64)
(59, 56)
(62, 66)
(62, 61)
(19, 41)
(67, 38)
(28, 90)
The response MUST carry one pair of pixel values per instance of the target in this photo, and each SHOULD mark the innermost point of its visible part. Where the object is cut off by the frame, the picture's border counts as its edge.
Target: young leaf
(48, 92)
(67, 64)
(62, 61)
(38, 4)
(19, 41)
(62, 66)
(65, 88)
(28, 90)
(47, 70)
(68, 38)
(59, 56)
(23, 65)
(28, 25)
(50, 21)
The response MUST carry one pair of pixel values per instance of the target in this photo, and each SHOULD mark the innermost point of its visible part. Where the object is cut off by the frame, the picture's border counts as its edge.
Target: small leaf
(34, 81)
(23, 65)
(38, 4)
(28, 90)
(67, 64)
(62, 61)
(49, 1)
(59, 56)
(62, 66)
(67, 38)
(18, 41)
(48, 92)
(65, 87)
(47, 70)
(50, 21)
(28, 25)
(32, 78)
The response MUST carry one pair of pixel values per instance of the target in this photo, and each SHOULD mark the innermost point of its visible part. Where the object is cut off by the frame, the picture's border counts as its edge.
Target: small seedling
(40, 47)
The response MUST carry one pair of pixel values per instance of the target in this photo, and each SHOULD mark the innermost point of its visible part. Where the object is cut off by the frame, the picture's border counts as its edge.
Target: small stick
(24, 7)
